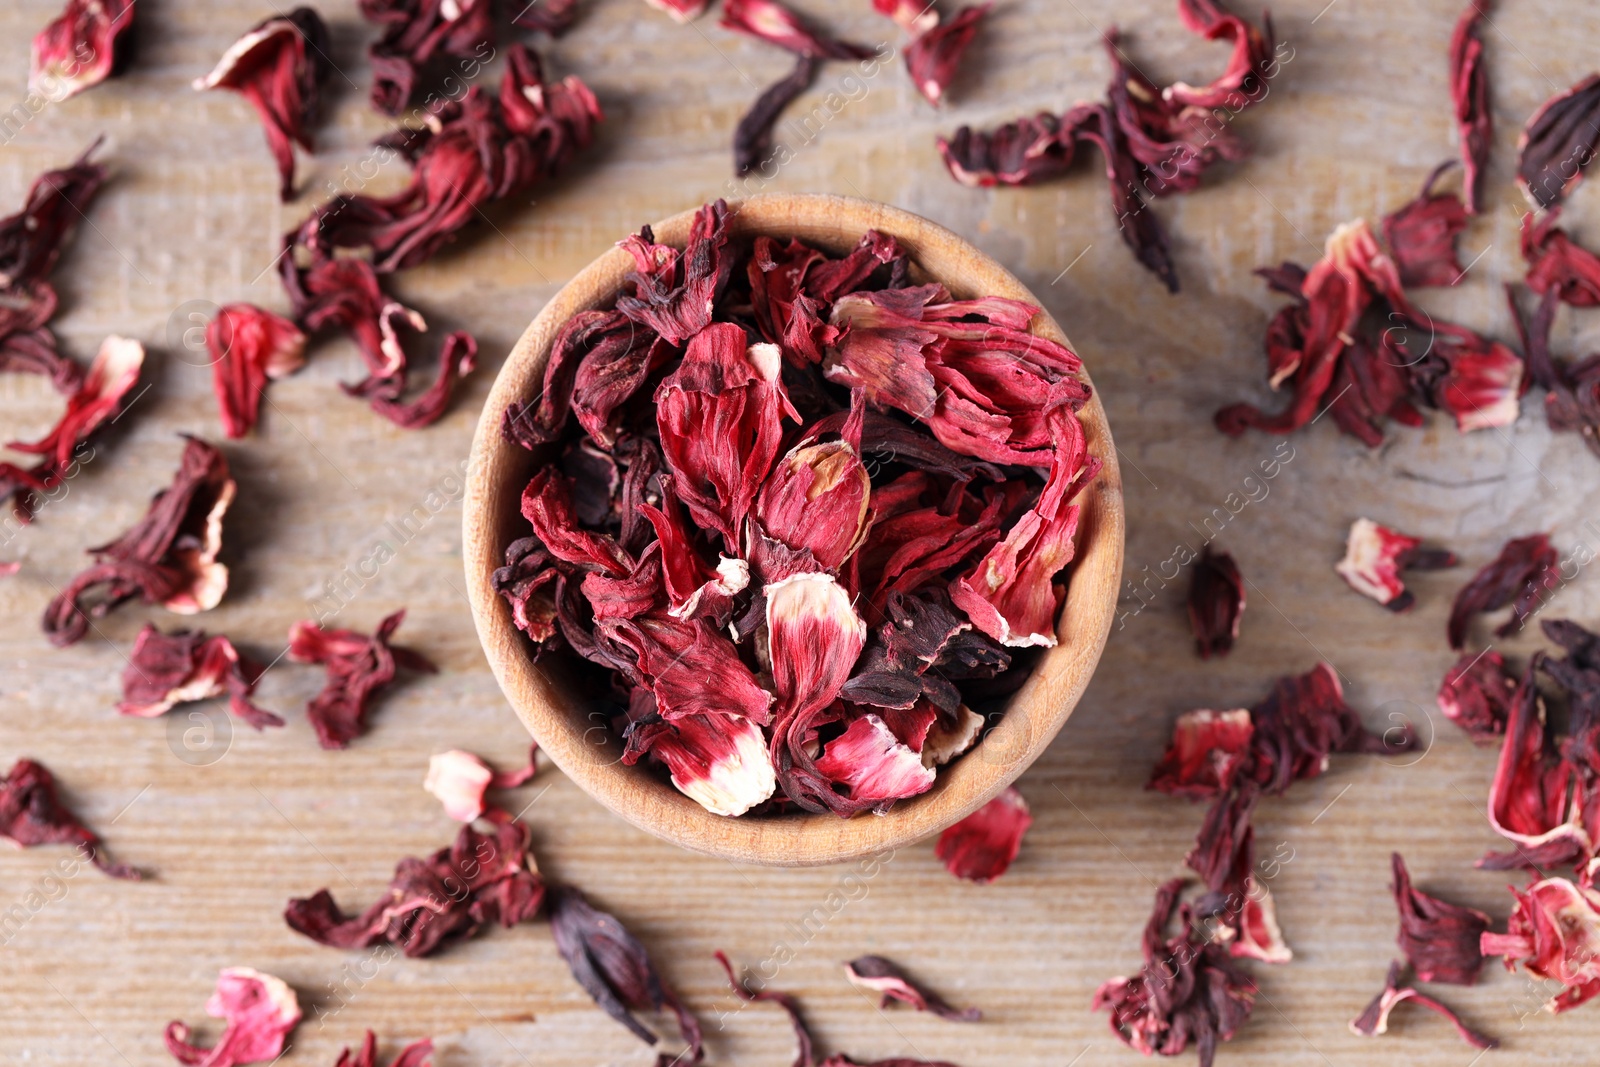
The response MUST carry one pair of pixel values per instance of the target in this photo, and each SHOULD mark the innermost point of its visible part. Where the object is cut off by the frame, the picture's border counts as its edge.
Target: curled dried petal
(1422, 236)
(249, 346)
(1476, 694)
(359, 668)
(1375, 1019)
(258, 1011)
(86, 44)
(1558, 142)
(1207, 751)
(1554, 934)
(32, 814)
(884, 977)
(165, 670)
(1469, 91)
(1520, 576)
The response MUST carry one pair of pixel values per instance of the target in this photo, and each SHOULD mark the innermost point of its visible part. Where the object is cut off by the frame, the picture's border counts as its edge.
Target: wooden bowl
(577, 738)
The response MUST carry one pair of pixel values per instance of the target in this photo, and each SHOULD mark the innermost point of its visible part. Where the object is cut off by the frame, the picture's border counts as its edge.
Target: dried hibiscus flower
(1375, 1019)
(1529, 801)
(248, 346)
(770, 21)
(460, 779)
(1216, 601)
(258, 1011)
(1476, 694)
(1469, 92)
(479, 880)
(981, 847)
(1522, 575)
(937, 43)
(165, 670)
(417, 32)
(1422, 235)
(1554, 933)
(416, 1054)
(881, 976)
(32, 814)
(1440, 939)
(169, 557)
(278, 66)
(32, 239)
(359, 668)
(1208, 750)
(1374, 557)
(86, 44)
(614, 968)
(1558, 142)
(1557, 262)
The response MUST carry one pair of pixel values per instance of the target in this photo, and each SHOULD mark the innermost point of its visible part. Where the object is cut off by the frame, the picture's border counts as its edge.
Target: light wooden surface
(1035, 713)
(1357, 119)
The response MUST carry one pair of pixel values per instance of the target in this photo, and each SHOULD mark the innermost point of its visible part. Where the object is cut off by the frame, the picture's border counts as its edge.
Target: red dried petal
(1529, 802)
(1244, 81)
(1207, 751)
(165, 670)
(527, 582)
(1422, 236)
(31, 240)
(1558, 142)
(870, 767)
(675, 658)
(881, 976)
(1469, 91)
(1476, 695)
(1216, 602)
(1440, 939)
(1302, 722)
(1554, 933)
(85, 45)
(1257, 936)
(1521, 575)
(458, 357)
(359, 668)
(933, 54)
(248, 346)
(32, 814)
(1557, 262)
(1375, 1019)
(1023, 152)
(416, 1054)
(770, 21)
(981, 847)
(816, 498)
(258, 1011)
(547, 505)
(277, 66)
(1375, 555)
(719, 761)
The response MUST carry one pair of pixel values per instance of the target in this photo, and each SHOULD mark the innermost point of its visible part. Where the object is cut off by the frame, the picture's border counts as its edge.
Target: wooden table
(1356, 120)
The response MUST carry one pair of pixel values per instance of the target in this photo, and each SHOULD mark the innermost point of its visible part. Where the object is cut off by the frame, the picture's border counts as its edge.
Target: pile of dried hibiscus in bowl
(805, 515)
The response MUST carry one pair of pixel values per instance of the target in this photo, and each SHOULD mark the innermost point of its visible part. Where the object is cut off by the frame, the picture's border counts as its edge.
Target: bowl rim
(589, 754)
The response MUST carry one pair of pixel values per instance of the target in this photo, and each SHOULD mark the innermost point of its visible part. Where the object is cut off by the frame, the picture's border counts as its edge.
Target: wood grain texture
(1355, 121)
(592, 757)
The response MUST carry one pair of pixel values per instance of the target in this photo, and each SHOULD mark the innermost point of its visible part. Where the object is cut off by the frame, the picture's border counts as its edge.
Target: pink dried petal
(85, 45)
(1375, 555)
(913, 16)
(359, 668)
(458, 779)
(249, 346)
(165, 670)
(277, 66)
(1422, 236)
(1554, 933)
(1216, 603)
(878, 975)
(681, 10)
(981, 847)
(1375, 1019)
(1558, 141)
(1476, 695)
(1521, 575)
(872, 766)
(1440, 939)
(933, 55)
(32, 814)
(1207, 751)
(1469, 91)
(770, 21)
(258, 1011)
(1484, 385)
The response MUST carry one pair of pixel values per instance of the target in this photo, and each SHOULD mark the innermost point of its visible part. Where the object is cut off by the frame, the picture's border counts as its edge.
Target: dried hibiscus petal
(614, 968)
(1521, 575)
(770, 21)
(1557, 262)
(1440, 939)
(165, 670)
(33, 351)
(816, 498)
(415, 32)
(1302, 722)
(460, 779)
(871, 767)
(1476, 695)
(1469, 92)
(1216, 601)
(1208, 750)
(1422, 236)
(752, 137)
(881, 976)
(86, 44)
(32, 814)
(359, 668)
(981, 847)
(278, 66)
(1558, 142)
(258, 1011)
(32, 239)
(1256, 935)
(248, 346)
(934, 53)
(681, 10)
(169, 557)
(1529, 802)
(1554, 933)
(719, 761)
(1375, 1019)
(479, 880)
(1242, 83)
(1375, 555)
(416, 1054)
(1023, 152)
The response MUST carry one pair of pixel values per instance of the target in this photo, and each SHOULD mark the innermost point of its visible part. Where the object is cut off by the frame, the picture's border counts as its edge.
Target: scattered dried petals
(165, 670)
(1526, 569)
(32, 814)
(1375, 555)
(415, 1054)
(882, 976)
(1375, 1019)
(1216, 601)
(1554, 933)
(258, 1011)
(982, 846)
(359, 668)
(249, 346)
(85, 45)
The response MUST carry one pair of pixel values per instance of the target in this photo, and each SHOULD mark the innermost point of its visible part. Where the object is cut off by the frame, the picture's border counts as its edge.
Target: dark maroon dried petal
(86, 44)
(1440, 939)
(31, 814)
(31, 240)
(1572, 400)
(677, 301)
(553, 17)
(33, 351)
(1375, 1019)
(416, 32)
(1216, 601)
(1578, 673)
(1558, 142)
(169, 557)
(359, 668)
(1141, 229)
(457, 358)
(882, 976)
(933, 55)
(1023, 152)
(248, 346)
(1422, 236)
(1302, 722)
(752, 137)
(481, 879)
(169, 669)
(1525, 569)
(804, 1054)
(981, 847)
(1469, 92)
(614, 968)
(1476, 694)
(1224, 854)
(278, 66)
